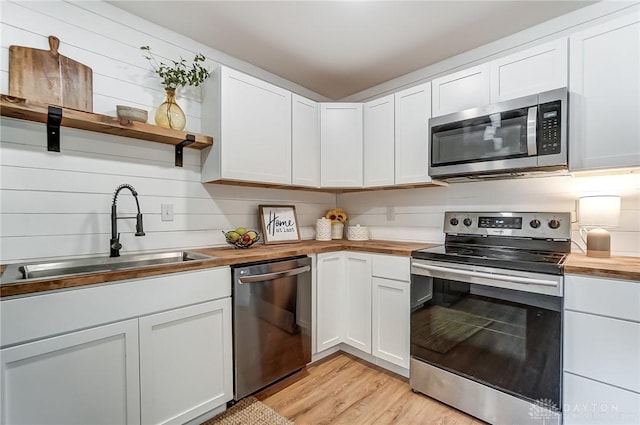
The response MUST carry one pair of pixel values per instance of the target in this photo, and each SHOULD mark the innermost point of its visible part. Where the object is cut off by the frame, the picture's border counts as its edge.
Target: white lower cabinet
(152, 350)
(601, 351)
(357, 290)
(391, 320)
(185, 362)
(363, 302)
(85, 377)
(330, 278)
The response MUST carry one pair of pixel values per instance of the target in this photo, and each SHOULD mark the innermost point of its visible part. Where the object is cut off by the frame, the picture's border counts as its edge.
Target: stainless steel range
(486, 315)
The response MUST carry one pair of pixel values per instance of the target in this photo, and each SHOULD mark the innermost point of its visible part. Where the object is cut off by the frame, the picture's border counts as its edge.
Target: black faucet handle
(139, 229)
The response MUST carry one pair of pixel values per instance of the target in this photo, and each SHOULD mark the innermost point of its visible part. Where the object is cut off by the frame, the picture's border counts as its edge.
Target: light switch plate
(391, 213)
(166, 212)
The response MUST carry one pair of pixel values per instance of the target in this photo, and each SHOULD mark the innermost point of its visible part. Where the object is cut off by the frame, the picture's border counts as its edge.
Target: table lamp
(598, 212)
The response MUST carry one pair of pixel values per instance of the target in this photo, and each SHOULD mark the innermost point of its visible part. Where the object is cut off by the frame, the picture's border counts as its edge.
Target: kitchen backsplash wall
(58, 204)
(419, 213)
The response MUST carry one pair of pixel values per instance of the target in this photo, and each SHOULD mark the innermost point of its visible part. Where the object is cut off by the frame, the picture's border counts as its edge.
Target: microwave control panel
(549, 130)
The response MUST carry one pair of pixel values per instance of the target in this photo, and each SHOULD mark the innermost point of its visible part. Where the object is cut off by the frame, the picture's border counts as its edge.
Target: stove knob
(453, 221)
(467, 222)
(554, 224)
(535, 223)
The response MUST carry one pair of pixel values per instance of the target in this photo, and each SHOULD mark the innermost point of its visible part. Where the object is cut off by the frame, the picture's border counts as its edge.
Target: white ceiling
(337, 48)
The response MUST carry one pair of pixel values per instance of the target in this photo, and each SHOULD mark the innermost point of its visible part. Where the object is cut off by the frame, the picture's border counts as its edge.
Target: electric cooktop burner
(536, 242)
(514, 259)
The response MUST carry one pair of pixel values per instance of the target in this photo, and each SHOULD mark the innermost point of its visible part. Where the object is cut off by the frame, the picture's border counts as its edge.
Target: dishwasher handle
(274, 275)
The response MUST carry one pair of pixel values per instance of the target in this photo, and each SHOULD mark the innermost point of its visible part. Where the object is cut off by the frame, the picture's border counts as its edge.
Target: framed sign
(279, 223)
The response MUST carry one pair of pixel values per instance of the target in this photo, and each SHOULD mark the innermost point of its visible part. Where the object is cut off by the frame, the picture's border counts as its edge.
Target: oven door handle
(501, 277)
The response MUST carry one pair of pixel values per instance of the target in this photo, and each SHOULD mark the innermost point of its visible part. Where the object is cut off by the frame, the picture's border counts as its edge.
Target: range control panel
(516, 224)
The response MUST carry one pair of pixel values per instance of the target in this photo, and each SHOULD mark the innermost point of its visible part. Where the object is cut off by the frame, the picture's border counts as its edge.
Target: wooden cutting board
(45, 76)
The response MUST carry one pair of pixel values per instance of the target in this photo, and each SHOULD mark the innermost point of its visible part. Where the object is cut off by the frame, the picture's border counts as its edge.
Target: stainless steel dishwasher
(271, 321)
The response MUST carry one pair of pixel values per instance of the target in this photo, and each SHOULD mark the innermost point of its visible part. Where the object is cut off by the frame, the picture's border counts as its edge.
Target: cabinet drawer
(391, 267)
(30, 318)
(608, 297)
(603, 349)
(591, 402)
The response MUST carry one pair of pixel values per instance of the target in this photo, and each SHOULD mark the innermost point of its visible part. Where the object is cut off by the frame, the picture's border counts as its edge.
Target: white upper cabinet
(531, 71)
(461, 90)
(534, 70)
(341, 144)
(604, 84)
(379, 138)
(412, 113)
(305, 140)
(251, 123)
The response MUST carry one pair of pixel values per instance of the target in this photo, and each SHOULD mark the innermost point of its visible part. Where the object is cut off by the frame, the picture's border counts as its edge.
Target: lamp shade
(601, 211)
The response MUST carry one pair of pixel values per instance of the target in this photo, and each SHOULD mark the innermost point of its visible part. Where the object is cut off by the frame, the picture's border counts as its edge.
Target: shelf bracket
(54, 117)
(180, 146)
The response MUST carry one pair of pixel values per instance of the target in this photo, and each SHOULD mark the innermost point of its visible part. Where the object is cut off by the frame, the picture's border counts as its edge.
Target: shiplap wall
(420, 212)
(58, 204)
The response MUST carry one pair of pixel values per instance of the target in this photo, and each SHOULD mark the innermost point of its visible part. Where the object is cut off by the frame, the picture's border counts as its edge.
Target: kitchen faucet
(114, 243)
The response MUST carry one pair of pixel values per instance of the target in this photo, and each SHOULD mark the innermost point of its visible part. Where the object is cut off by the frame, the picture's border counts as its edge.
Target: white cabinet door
(379, 142)
(391, 310)
(341, 144)
(615, 298)
(613, 359)
(604, 96)
(412, 113)
(329, 301)
(530, 71)
(357, 323)
(594, 403)
(305, 141)
(85, 377)
(185, 362)
(251, 120)
(461, 90)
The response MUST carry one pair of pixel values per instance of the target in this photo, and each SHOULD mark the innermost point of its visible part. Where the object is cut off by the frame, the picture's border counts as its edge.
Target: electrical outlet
(391, 213)
(166, 212)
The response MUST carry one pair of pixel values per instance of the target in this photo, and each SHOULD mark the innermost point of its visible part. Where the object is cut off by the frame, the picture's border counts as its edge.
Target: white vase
(337, 230)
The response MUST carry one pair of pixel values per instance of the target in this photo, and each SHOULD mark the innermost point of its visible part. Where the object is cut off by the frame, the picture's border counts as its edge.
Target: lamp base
(598, 243)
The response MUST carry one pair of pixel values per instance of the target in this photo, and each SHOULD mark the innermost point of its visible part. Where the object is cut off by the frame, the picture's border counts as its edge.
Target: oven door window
(505, 339)
(491, 137)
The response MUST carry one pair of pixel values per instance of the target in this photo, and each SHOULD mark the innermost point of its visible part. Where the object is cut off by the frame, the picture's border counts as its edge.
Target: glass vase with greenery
(177, 74)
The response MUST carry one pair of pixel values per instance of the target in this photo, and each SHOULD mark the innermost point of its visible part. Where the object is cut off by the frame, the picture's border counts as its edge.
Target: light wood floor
(343, 389)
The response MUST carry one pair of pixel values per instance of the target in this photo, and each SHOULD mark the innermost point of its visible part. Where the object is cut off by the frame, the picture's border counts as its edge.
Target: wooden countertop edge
(225, 256)
(627, 268)
(616, 267)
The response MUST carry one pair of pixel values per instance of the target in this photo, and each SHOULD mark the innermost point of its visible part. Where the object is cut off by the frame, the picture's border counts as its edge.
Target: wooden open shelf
(17, 107)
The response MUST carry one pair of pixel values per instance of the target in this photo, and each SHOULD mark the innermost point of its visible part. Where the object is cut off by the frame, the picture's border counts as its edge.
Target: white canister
(323, 229)
(357, 233)
(337, 230)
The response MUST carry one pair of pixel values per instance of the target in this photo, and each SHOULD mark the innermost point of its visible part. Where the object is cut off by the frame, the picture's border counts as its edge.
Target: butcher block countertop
(225, 255)
(614, 267)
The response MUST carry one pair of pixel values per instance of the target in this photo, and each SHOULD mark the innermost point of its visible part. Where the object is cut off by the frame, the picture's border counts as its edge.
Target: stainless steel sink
(52, 269)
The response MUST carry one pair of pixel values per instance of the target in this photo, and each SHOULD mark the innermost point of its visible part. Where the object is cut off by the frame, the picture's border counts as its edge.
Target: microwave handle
(532, 127)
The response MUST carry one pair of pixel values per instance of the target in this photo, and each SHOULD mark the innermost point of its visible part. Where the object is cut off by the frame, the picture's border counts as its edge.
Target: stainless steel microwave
(509, 138)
